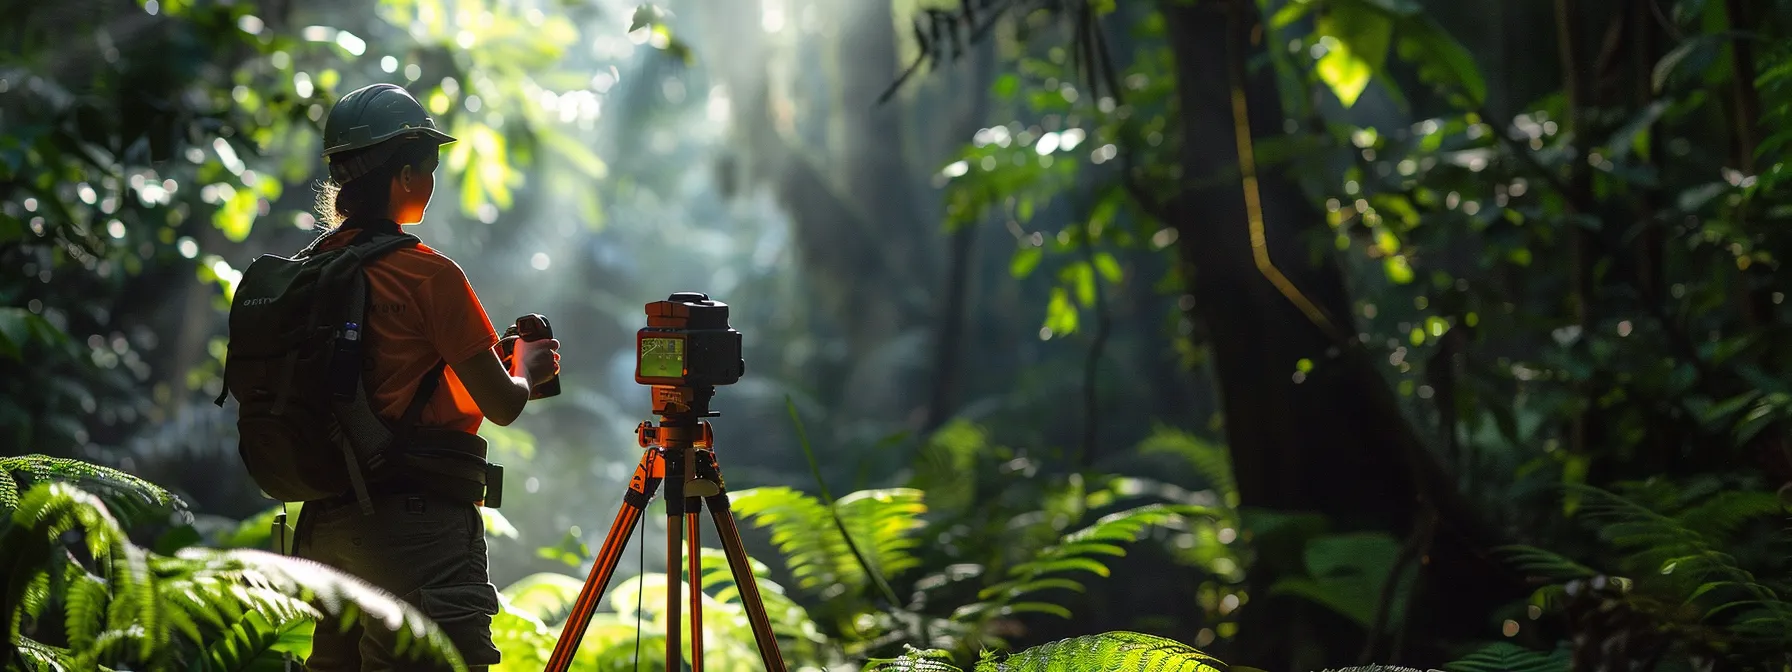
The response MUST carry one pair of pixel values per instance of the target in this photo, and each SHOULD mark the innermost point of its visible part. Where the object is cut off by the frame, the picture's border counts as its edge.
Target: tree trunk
(1334, 442)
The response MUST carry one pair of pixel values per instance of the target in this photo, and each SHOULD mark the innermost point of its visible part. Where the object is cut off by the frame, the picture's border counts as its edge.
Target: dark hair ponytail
(369, 195)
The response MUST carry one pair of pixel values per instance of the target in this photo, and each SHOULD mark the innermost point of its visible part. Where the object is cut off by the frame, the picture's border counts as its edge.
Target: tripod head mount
(678, 405)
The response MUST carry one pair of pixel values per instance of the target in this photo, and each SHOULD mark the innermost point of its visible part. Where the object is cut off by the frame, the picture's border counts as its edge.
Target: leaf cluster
(78, 593)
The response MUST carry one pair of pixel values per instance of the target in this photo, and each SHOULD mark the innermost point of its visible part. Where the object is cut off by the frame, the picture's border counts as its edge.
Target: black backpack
(294, 364)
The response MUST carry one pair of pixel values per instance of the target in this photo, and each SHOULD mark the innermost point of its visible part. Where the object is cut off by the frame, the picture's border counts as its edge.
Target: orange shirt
(422, 311)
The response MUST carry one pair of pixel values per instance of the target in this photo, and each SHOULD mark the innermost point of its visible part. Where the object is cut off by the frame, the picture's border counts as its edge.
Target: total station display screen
(662, 358)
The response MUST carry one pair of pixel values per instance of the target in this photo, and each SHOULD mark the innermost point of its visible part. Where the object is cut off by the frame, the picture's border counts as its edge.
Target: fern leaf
(128, 497)
(1548, 565)
(1109, 652)
(880, 521)
(85, 604)
(914, 660)
(1211, 461)
(1509, 657)
(257, 643)
(544, 596)
(1035, 608)
(37, 593)
(9, 491)
(287, 588)
(1073, 552)
(45, 658)
(50, 510)
(1723, 514)
(883, 521)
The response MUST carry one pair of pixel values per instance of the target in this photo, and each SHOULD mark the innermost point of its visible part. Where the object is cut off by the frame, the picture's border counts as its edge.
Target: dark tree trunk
(1336, 442)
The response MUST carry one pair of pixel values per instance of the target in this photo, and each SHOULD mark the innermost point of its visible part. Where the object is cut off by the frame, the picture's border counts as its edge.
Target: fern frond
(1074, 552)
(46, 513)
(881, 523)
(789, 619)
(130, 498)
(1726, 512)
(1544, 564)
(259, 641)
(286, 588)
(914, 660)
(84, 608)
(1210, 460)
(949, 454)
(50, 510)
(1509, 657)
(1110, 651)
(9, 491)
(36, 594)
(45, 658)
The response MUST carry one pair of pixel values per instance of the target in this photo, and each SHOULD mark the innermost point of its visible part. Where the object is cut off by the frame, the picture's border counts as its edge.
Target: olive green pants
(428, 550)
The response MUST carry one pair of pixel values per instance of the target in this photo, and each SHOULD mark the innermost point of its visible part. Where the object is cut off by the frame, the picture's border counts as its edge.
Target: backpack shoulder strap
(367, 439)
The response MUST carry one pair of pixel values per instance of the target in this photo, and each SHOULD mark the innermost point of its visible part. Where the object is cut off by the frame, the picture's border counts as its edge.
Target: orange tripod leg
(675, 517)
(739, 564)
(694, 560)
(649, 472)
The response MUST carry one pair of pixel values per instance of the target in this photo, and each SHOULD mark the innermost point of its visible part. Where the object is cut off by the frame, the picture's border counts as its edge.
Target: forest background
(1306, 332)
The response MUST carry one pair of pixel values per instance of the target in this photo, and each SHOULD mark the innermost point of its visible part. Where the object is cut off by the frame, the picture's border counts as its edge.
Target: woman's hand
(536, 361)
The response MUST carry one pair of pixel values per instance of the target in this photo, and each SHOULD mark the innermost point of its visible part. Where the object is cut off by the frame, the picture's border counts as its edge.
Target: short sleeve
(454, 320)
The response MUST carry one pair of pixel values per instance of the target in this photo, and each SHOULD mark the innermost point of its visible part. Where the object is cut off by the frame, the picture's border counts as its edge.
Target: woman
(423, 542)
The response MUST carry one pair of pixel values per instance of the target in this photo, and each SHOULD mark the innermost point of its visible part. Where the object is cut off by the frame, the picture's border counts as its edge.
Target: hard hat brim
(420, 132)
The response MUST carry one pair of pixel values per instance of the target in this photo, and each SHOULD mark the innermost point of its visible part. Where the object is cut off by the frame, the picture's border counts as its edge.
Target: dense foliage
(1332, 331)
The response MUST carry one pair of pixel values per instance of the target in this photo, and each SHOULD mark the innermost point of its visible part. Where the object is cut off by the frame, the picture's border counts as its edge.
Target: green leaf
(1005, 86)
(1442, 61)
(1025, 260)
(1289, 13)
(1347, 572)
(1107, 651)
(254, 644)
(1546, 564)
(1664, 68)
(1060, 313)
(496, 524)
(1509, 657)
(1109, 267)
(914, 660)
(1635, 133)
(1398, 271)
(1081, 277)
(1360, 49)
(1036, 608)
(544, 596)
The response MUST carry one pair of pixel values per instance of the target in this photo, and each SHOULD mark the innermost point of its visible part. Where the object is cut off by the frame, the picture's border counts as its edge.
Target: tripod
(680, 454)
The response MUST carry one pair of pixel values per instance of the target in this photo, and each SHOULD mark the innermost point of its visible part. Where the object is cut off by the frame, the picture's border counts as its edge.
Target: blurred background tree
(1395, 294)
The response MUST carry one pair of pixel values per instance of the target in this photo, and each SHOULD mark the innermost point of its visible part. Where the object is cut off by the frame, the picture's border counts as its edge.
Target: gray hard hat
(371, 116)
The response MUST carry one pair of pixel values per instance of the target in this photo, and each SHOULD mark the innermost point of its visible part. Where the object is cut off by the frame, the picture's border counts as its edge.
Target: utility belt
(439, 461)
